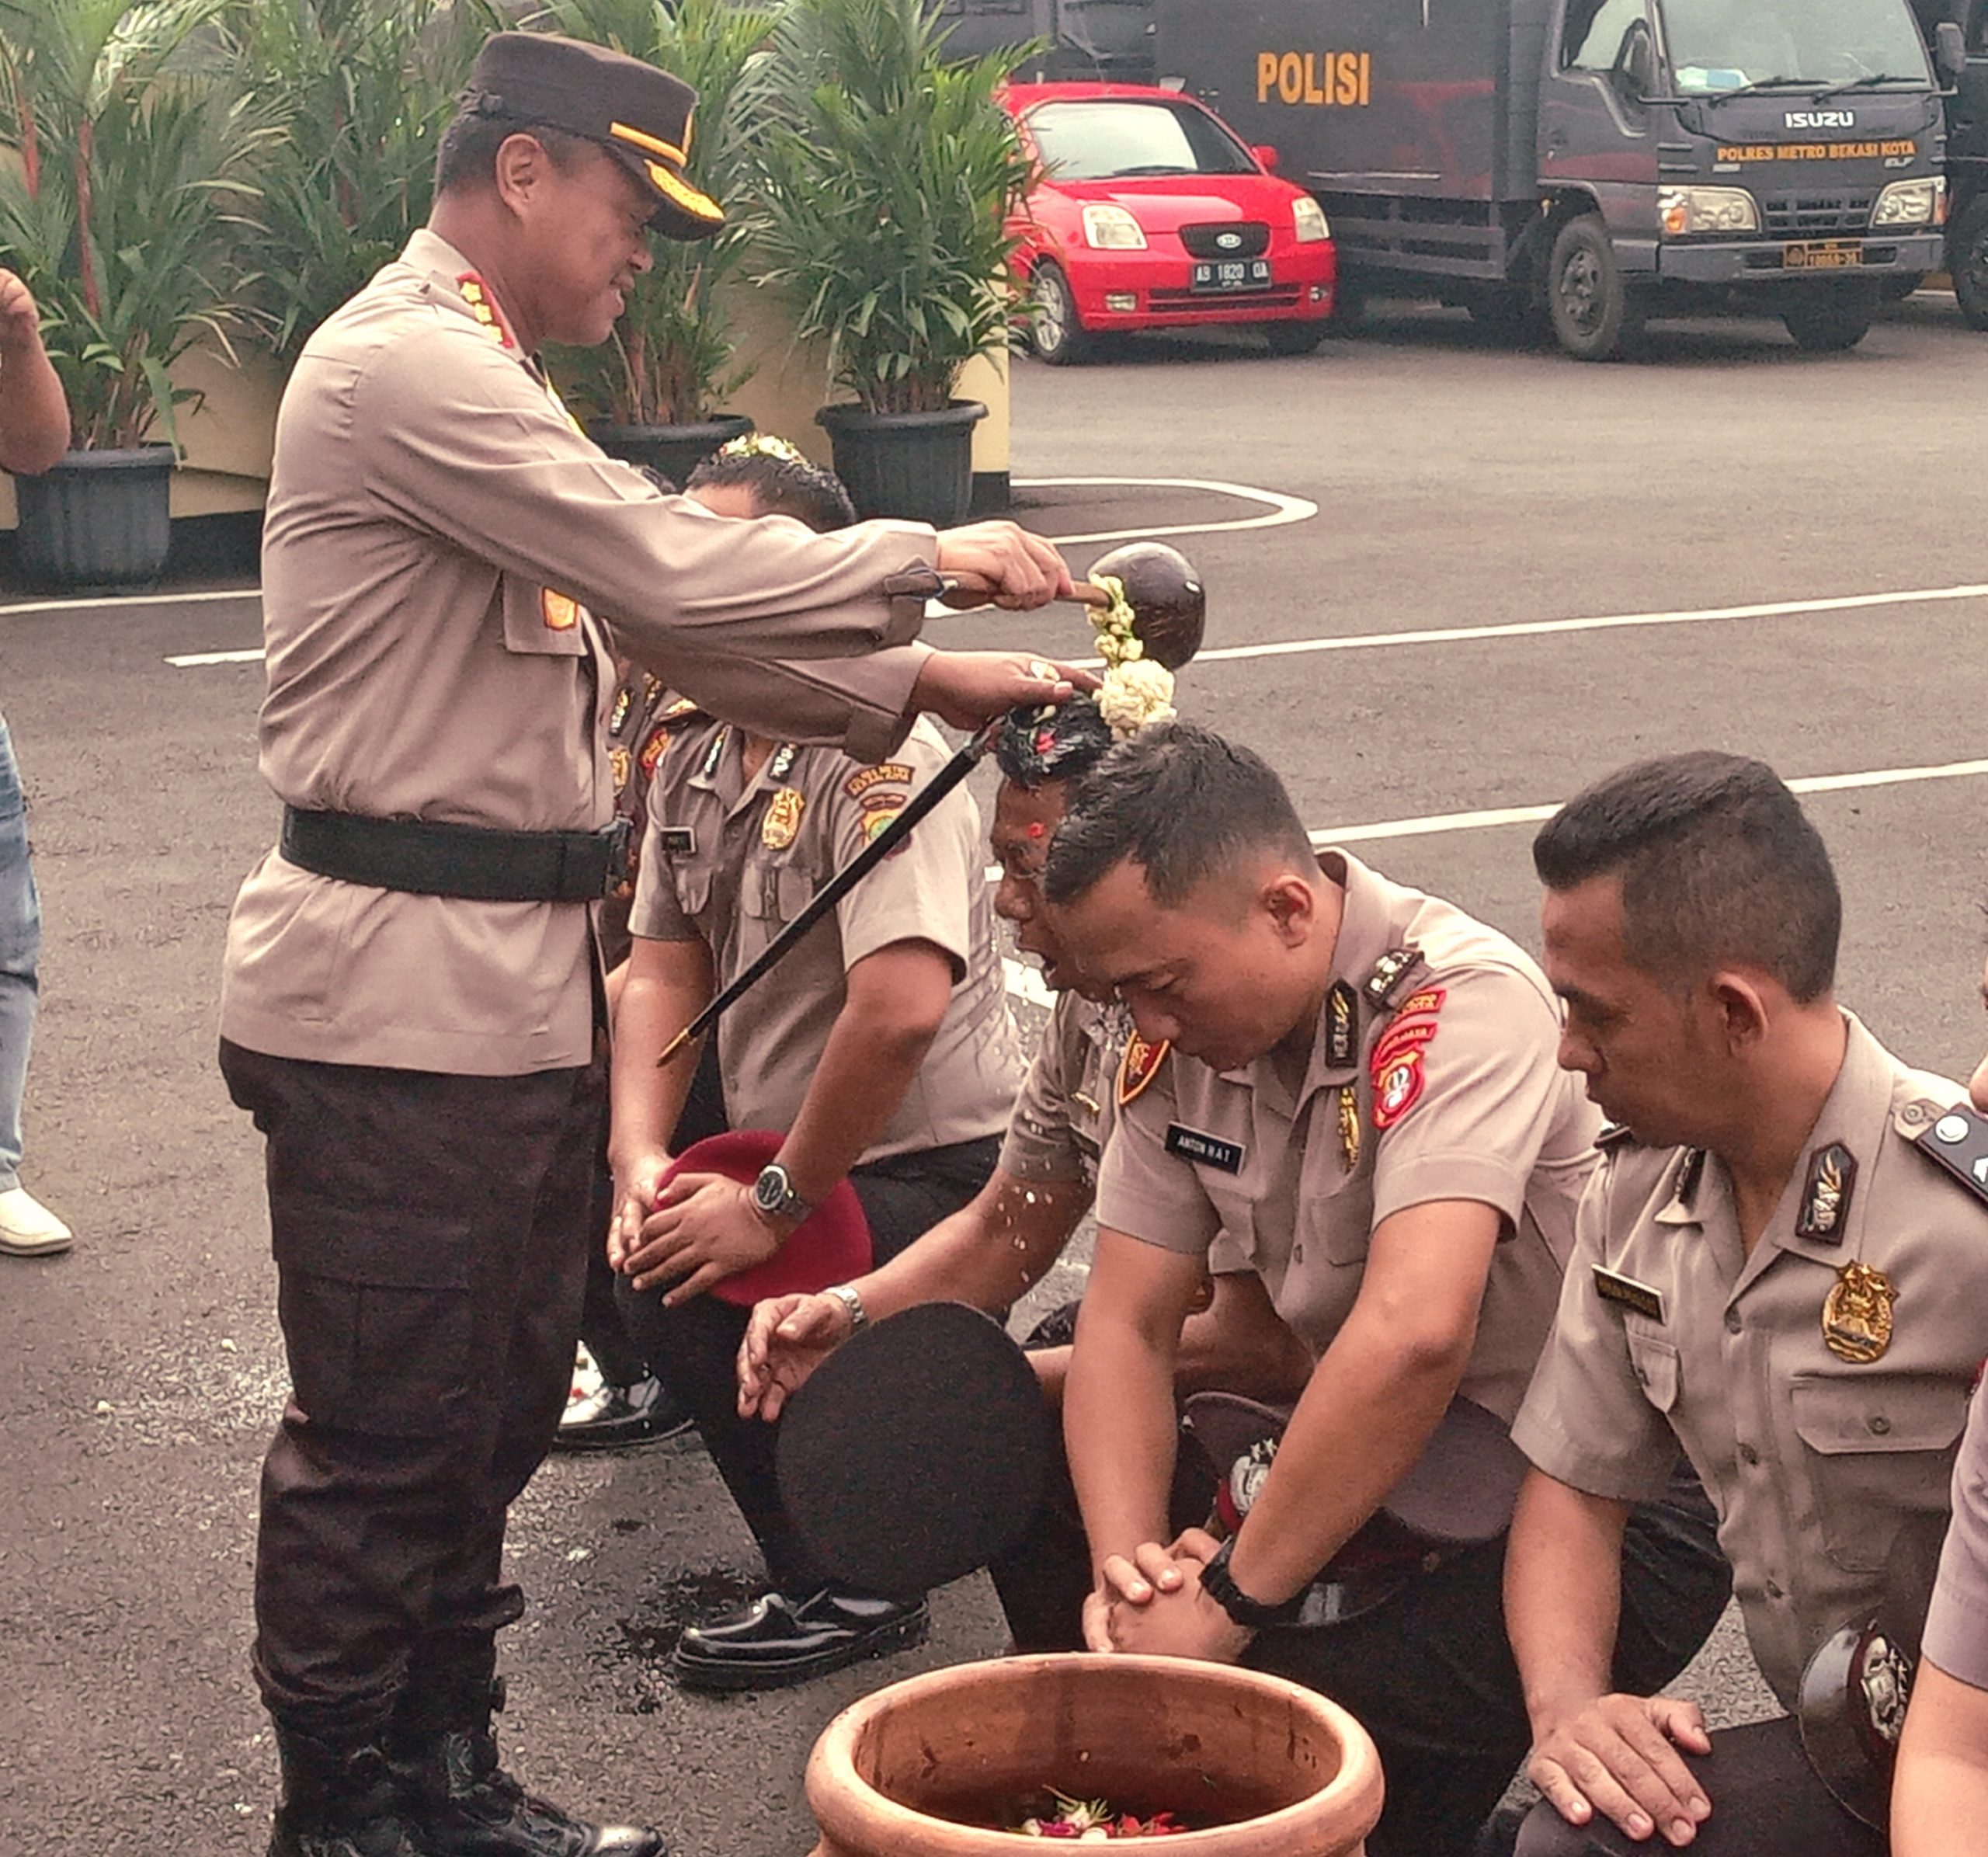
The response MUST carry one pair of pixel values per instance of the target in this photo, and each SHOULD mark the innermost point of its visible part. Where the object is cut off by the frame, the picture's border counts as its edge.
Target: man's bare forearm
(34, 416)
(1563, 1596)
(653, 1008)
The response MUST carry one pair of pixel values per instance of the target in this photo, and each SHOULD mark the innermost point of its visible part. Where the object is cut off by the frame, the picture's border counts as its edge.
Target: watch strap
(1253, 1614)
(851, 1298)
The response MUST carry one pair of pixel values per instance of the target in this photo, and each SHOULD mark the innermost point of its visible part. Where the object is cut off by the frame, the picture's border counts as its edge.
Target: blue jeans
(20, 947)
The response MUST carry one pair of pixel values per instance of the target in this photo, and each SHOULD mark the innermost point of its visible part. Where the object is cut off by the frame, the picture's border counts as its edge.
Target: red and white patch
(1397, 1088)
(1139, 1066)
(1396, 1064)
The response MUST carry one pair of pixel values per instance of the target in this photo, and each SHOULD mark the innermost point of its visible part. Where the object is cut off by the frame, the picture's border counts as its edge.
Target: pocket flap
(1655, 1361)
(1896, 1412)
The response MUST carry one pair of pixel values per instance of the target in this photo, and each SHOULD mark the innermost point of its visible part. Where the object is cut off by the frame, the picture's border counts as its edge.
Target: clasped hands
(1151, 1604)
(697, 1231)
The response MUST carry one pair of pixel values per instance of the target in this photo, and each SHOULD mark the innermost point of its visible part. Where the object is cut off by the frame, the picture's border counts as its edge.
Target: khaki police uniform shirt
(1063, 1116)
(438, 540)
(730, 862)
(1813, 1460)
(1445, 1075)
(1956, 1635)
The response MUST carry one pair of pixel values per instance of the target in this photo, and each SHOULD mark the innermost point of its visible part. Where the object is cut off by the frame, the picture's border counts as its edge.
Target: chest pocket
(1237, 1211)
(1654, 1361)
(772, 891)
(1879, 1450)
(540, 622)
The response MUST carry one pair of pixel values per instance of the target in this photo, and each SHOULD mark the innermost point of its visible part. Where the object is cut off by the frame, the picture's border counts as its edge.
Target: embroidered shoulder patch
(1139, 1066)
(859, 783)
(1396, 1065)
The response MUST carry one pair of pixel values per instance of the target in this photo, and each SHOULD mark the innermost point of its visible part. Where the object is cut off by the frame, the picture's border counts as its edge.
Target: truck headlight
(1307, 220)
(1910, 203)
(1686, 210)
(1110, 228)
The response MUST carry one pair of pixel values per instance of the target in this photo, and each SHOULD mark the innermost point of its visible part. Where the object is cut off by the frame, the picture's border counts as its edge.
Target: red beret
(831, 1245)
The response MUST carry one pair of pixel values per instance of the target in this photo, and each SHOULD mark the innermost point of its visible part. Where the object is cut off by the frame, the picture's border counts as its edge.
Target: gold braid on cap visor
(667, 181)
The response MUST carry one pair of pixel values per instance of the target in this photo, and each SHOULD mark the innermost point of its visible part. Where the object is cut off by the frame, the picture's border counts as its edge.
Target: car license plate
(1233, 274)
(1831, 255)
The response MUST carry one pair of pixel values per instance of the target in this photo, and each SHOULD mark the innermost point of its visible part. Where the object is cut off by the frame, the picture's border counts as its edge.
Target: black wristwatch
(1253, 1614)
(773, 1194)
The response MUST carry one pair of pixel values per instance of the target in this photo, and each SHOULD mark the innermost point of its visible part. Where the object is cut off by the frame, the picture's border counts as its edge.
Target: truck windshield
(1726, 45)
(1115, 138)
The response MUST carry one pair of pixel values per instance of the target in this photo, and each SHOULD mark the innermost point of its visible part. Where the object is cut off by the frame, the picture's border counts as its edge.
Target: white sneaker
(28, 1229)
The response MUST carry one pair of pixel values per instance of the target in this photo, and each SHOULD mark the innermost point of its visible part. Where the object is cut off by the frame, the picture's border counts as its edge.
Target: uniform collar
(431, 254)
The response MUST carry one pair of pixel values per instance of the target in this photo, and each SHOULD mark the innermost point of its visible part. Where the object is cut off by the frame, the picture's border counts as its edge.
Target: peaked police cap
(640, 115)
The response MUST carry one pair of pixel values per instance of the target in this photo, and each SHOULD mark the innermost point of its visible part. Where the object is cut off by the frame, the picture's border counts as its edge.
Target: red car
(1151, 214)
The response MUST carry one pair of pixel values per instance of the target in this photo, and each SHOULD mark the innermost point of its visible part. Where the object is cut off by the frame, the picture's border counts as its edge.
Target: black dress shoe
(777, 1641)
(617, 1417)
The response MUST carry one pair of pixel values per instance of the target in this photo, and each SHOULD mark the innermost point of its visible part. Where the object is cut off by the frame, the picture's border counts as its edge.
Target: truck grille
(1818, 215)
(1204, 241)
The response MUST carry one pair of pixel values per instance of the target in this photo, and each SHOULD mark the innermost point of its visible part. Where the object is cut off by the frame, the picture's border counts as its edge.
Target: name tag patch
(1612, 1286)
(1209, 1150)
(680, 841)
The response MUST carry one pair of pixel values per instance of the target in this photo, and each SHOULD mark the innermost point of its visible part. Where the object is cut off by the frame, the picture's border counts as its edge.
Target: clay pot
(916, 1770)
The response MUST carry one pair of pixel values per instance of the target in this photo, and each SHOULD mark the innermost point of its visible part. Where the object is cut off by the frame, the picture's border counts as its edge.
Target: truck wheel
(1967, 258)
(1054, 333)
(1596, 318)
(1294, 338)
(1832, 325)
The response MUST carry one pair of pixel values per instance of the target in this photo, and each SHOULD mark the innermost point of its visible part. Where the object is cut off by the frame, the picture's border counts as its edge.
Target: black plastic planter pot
(674, 451)
(918, 466)
(98, 522)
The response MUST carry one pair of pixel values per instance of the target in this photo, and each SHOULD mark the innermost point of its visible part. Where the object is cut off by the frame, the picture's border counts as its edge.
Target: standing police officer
(411, 992)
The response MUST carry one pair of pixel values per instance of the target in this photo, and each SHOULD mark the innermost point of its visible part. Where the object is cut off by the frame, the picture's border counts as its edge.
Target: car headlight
(1109, 228)
(1307, 220)
(1910, 203)
(1682, 210)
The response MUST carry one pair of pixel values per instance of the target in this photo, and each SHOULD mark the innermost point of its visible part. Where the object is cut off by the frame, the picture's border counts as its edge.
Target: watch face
(770, 1190)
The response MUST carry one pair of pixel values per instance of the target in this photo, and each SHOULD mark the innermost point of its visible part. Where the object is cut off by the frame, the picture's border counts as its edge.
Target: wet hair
(780, 486)
(1183, 804)
(1718, 864)
(466, 155)
(1041, 742)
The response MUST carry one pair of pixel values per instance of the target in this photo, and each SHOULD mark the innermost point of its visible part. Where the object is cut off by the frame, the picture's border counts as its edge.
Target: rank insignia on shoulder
(683, 706)
(1612, 1286)
(1856, 1314)
(1825, 1199)
(783, 819)
(624, 700)
(1208, 1150)
(782, 764)
(619, 766)
(714, 754)
(1389, 972)
(1139, 1066)
(652, 749)
(679, 841)
(482, 306)
(1955, 1139)
(1342, 1025)
(860, 782)
(560, 611)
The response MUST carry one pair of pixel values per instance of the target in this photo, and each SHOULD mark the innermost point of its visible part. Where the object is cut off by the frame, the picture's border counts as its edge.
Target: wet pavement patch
(640, 1660)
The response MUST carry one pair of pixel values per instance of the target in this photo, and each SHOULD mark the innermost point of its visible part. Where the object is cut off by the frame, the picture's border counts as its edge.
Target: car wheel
(1293, 338)
(1967, 258)
(1831, 324)
(1055, 333)
(1595, 316)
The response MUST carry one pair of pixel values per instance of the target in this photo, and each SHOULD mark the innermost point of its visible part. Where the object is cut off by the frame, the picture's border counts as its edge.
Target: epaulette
(1391, 974)
(1955, 1140)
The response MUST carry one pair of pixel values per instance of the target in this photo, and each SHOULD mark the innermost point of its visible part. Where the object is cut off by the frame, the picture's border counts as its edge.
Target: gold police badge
(783, 819)
(1856, 1314)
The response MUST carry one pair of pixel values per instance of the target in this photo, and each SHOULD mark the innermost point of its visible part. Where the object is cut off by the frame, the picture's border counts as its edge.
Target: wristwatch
(847, 1295)
(774, 1197)
(1251, 1614)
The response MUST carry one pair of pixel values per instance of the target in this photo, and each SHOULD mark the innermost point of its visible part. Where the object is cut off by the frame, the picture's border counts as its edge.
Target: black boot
(466, 1805)
(339, 1801)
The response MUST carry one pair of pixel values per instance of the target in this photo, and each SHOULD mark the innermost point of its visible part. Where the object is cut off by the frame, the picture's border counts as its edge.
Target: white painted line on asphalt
(200, 660)
(124, 599)
(1284, 509)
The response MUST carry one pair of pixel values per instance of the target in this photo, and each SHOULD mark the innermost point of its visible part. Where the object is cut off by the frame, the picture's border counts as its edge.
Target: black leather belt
(479, 862)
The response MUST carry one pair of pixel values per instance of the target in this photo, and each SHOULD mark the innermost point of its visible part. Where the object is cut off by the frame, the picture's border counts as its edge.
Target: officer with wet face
(411, 991)
(1773, 1269)
(1362, 1095)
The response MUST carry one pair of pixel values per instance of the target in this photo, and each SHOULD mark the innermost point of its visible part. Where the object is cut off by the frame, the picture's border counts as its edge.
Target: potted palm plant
(364, 88)
(135, 141)
(655, 394)
(885, 189)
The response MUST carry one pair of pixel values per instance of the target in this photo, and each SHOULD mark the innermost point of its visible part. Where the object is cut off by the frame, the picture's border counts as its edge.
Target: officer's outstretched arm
(1940, 1793)
(1118, 1414)
(1592, 1751)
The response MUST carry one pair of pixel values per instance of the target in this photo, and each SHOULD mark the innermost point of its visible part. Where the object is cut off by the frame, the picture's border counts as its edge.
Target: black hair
(1180, 802)
(780, 486)
(1041, 742)
(466, 155)
(1718, 862)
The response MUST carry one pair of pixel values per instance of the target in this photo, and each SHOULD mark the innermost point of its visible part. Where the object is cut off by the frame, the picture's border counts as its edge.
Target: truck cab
(1602, 160)
(1967, 148)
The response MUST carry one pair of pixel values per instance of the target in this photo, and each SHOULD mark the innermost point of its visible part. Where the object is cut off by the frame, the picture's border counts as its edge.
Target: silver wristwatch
(773, 1194)
(845, 1294)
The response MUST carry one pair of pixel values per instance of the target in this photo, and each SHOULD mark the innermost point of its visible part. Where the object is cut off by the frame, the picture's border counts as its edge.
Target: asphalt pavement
(1520, 572)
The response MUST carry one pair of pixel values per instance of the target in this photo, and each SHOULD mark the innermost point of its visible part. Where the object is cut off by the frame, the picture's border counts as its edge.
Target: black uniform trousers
(695, 1347)
(1766, 1799)
(1428, 1673)
(430, 1234)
